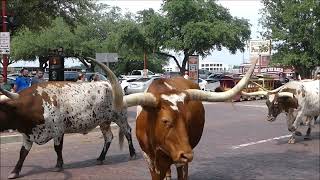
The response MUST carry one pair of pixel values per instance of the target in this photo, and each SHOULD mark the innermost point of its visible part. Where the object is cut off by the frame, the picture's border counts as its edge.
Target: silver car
(140, 85)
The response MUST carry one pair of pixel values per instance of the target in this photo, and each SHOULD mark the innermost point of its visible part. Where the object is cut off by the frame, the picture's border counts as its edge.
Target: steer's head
(170, 128)
(280, 102)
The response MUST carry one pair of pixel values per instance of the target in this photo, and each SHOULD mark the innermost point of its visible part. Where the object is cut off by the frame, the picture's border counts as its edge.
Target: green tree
(192, 27)
(36, 14)
(294, 28)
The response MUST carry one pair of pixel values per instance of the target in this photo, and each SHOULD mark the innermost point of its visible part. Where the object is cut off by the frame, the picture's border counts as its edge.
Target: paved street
(237, 143)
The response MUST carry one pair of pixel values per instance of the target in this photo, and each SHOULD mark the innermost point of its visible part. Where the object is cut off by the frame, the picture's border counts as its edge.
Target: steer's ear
(288, 102)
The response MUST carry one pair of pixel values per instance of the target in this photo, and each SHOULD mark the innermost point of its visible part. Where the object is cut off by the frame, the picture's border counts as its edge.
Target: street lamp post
(4, 29)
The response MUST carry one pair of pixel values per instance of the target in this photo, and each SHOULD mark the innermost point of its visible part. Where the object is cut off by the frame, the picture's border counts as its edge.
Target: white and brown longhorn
(48, 110)
(171, 120)
(298, 99)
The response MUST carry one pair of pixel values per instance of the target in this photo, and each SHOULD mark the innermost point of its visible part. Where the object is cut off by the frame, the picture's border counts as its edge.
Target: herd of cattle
(170, 115)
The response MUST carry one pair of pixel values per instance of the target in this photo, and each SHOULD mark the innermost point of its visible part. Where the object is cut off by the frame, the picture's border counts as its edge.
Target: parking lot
(237, 143)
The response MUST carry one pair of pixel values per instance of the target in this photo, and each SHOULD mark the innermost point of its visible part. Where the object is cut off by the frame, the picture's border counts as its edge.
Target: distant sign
(271, 69)
(260, 47)
(194, 68)
(4, 43)
(107, 57)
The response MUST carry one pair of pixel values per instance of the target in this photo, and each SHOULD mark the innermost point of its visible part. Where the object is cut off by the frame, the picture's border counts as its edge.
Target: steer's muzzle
(271, 118)
(184, 157)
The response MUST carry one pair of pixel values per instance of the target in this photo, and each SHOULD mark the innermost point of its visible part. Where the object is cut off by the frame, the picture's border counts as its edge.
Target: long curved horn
(115, 85)
(10, 95)
(144, 99)
(4, 98)
(254, 93)
(285, 94)
(200, 95)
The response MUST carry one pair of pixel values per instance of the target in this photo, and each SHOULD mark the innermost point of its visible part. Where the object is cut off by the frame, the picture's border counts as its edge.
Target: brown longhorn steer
(171, 122)
(47, 111)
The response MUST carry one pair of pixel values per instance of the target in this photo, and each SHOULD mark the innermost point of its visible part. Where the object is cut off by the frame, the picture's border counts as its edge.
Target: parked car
(139, 85)
(202, 83)
(171, 74)
(125, 83)
(73, 76)
(204, 73)
(139, 74)
(215, 77)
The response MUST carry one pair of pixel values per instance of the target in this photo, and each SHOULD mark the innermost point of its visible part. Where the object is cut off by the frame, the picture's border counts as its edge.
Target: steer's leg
(26, 146)
(58, 145)
(310, 124)
(121, 120)
(168, 175)
(108, 136)
(294, 128)
(182, 172)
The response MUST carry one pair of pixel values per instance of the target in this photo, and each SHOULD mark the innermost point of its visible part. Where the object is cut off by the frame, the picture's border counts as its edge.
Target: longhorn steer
(298, 99)
(49, 110)
(171, 122)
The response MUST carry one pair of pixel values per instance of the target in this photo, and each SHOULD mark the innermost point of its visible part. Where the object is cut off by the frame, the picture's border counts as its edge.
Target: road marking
(250, 105)
(259, 142)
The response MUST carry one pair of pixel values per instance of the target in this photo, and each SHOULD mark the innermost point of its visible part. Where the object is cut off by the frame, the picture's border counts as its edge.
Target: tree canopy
(294, 28)
(98, 33)
(193, 27)
(36, 14)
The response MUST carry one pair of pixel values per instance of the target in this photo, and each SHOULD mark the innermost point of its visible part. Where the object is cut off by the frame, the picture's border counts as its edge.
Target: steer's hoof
(298, 133)
(99, 162)
(167, 178)
(13, 175)
(292, 141)
(57, 169)
(133, 157)
(307, 138)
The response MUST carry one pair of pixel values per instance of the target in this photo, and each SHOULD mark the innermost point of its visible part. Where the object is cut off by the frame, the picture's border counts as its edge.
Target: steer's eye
(167, 122)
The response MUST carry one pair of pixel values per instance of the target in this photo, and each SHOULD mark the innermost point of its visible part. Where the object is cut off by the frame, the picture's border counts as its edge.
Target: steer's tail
(121, 138)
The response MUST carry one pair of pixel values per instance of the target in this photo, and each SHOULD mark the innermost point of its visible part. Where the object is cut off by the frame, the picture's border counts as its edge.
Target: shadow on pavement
(110, 160)
(285, 166)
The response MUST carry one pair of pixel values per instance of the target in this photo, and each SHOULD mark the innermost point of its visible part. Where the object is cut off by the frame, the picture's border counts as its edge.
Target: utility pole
(5, 61)
(145, 72)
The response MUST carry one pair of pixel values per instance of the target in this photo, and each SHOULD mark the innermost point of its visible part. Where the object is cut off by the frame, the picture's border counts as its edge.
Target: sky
(248, 9)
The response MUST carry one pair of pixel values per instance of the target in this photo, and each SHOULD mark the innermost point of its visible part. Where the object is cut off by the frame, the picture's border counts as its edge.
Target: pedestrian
(23, 81)
(38, 78)
(186, 76)
(81, 77)
(94, 77)
(4, 85)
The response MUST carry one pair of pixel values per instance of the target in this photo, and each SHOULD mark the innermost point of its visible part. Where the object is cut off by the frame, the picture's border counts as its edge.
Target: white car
(124, 83)
(202, 83)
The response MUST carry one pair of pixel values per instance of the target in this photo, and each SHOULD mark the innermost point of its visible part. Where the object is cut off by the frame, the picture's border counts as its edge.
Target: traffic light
(56, 68)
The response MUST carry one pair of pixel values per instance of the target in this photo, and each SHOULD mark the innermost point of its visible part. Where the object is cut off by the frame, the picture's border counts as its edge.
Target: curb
(18, 137)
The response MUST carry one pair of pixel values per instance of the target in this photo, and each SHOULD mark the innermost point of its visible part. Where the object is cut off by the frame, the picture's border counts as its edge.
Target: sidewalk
(14, 136)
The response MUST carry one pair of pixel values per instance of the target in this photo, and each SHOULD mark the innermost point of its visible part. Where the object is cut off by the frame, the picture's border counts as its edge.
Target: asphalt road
(237, 144)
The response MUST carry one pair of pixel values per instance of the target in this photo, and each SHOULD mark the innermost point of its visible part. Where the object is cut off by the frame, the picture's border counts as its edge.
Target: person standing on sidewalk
(4, 85)
(23, 81)
(38, 78)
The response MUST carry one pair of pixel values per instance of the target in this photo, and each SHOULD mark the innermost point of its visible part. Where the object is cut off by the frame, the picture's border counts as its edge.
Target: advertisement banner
(194, 68)
(260, 47)
(4, 43)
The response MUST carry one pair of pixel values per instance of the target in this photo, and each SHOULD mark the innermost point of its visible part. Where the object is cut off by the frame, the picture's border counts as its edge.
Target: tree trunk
(184, 62)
